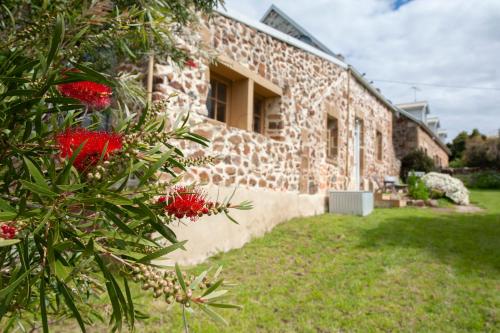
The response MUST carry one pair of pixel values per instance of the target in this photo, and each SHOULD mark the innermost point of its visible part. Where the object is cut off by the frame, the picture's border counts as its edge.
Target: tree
(483, 153)
(457, 146)
(416, 160)
(83, 212)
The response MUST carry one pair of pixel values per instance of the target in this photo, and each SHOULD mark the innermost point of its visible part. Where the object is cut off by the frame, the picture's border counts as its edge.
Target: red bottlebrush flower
(190, 63)
(184, 202)
(7, 231)
(91, 94)
(91, 152)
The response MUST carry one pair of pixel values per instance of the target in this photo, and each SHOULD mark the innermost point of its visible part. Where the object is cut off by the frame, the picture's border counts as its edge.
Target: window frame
(379, 145)
(262, 116)
(219, 80)
(329, 139)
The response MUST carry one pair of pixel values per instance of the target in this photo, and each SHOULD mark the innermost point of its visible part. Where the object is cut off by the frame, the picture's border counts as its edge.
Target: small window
(332, 137)
(259, 115)
(361, 145)
(217, 104)
(380, 146)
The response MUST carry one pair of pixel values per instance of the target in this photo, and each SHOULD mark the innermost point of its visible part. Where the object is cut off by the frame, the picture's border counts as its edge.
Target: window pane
(257, 116)
(212, 88)
(221, 92)
(221, 112)
(211, 108)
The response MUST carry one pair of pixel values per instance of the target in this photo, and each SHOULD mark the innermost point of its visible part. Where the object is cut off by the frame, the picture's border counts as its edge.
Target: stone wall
(285, 172)
(291, 156)
(408, 135)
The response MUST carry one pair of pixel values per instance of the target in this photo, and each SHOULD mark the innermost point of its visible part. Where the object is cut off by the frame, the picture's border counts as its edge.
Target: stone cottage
(414, 129)
(288, 118)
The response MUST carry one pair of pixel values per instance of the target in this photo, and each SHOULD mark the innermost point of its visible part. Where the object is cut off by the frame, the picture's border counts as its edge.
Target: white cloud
(449, 42)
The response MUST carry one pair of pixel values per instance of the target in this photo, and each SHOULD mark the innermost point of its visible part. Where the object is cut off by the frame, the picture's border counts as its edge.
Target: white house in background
(443, 135)
(419, 110)
(433, 123)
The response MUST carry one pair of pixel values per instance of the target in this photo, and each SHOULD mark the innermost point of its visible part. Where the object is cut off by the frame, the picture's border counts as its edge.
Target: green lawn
(410, 270)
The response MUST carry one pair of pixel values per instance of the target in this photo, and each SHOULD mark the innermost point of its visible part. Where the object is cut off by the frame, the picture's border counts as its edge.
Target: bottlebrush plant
(83, 213)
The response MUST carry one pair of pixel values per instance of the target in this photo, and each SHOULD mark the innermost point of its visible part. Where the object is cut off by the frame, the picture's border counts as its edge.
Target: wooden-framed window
(218, 99)
(259, 114)
(361, 145)
(332, 137)
(379, 148)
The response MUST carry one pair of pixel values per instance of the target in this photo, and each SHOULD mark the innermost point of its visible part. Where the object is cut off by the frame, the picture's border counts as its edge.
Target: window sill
(332, 160)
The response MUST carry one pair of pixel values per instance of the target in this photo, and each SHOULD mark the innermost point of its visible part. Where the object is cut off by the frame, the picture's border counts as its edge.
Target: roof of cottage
(415, 106)
(269, 30)
(276, 18)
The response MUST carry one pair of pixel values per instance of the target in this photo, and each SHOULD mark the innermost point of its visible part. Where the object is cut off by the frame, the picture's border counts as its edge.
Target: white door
(357, 157)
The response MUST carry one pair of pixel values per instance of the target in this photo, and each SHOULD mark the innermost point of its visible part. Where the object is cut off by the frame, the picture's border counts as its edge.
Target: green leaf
(154, 167)
(163, 251)
(62, 272)
(198, 279)
(43, 307)
(179, 277)
(214, 315)
(71, 304)
(40, 190)
(213, 287)
(214, 294)
(7, 216)
(71, 188)
(64, 175)
(57, 37)
(131, 311)
(225, 306)
(8, 242)
(91, 75)
(5, 206)
(117, 199)
(13, 285)
(35, 173)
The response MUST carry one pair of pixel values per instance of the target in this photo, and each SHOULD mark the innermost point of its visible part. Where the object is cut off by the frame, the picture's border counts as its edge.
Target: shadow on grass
(471, 243)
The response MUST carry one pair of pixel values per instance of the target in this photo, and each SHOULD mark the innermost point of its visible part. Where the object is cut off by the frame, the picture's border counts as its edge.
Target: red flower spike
(91, 94)
(91, 152)
(184, 202)
(7, 231)
(190, 63)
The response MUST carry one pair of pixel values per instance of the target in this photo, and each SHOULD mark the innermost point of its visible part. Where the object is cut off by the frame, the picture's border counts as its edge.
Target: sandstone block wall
(408, 136)
(291, 155)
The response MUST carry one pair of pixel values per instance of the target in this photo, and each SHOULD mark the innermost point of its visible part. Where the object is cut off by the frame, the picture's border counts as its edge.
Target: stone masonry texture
(291, 155)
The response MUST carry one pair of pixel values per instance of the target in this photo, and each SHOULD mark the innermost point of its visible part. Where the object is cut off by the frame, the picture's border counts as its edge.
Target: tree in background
(416, 160)
(482, 152)
(85, 206)
(457, 146)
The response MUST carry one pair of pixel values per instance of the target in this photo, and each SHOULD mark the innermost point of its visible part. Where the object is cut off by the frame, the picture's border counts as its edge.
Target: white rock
(453, 188)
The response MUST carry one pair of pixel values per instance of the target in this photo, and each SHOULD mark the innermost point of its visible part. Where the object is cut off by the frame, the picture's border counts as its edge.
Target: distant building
(414, 129)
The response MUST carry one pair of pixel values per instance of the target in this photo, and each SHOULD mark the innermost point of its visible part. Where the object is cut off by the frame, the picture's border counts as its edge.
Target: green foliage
(416, 188)
(83, 234)
(457, 146)
(483, 180)
(482, 152)
(416, 160)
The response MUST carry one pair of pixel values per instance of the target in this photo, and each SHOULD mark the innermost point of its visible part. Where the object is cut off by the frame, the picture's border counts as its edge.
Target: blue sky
(439, 42)
(399, 3)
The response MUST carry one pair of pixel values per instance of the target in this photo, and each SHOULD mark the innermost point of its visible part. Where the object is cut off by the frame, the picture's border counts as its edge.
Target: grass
(409, 270)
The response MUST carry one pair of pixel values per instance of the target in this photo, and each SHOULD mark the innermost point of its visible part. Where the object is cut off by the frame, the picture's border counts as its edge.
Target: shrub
(484, 180)
(85, 213)
(416, 160)
(482, 152)
(417, 189)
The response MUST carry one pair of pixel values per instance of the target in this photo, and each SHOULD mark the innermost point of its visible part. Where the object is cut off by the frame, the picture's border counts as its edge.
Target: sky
(435, 45)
